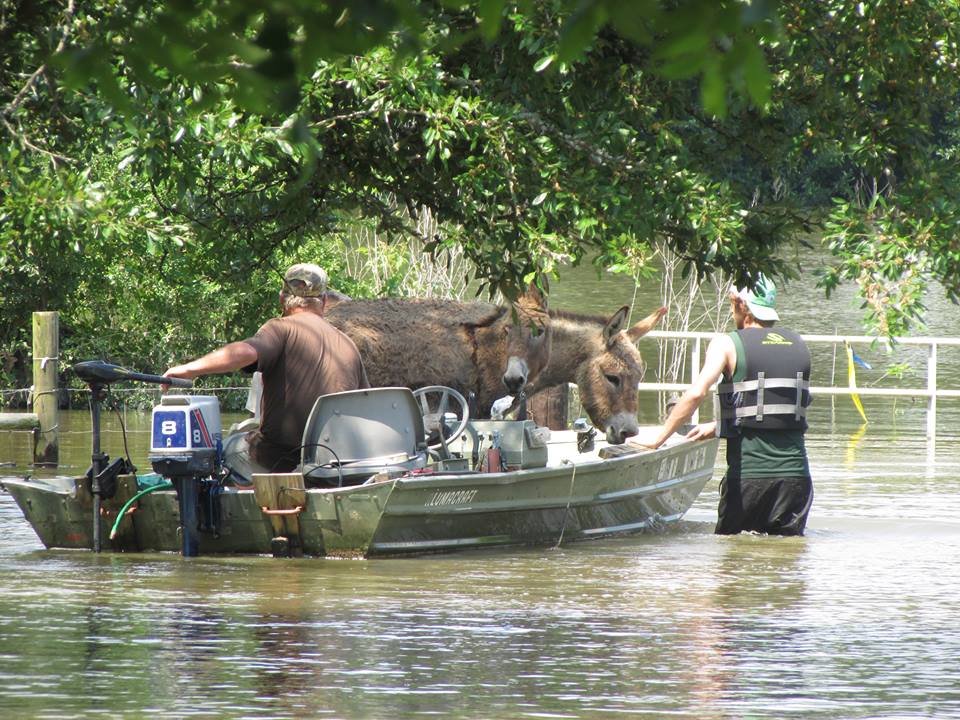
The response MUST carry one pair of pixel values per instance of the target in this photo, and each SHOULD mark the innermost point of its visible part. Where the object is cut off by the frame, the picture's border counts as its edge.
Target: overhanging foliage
(161, 161)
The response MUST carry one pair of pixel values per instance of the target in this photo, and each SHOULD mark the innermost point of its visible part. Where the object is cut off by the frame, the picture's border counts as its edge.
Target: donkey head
(608, 379)
(529, 340)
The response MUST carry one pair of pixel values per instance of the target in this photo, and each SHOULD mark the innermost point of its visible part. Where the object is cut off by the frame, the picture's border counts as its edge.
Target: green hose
(131, 501)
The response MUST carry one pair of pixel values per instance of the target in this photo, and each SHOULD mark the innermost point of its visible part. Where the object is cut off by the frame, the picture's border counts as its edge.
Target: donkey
(599, 355)
(474, 347)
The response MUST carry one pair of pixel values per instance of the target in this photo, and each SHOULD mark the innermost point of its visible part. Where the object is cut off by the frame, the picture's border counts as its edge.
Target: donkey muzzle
(515, 376)
(620, 427)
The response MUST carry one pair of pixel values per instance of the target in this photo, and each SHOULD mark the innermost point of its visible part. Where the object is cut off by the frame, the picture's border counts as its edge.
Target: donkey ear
(615, 324)
(531, 307)
(532, 300)
(646, 325)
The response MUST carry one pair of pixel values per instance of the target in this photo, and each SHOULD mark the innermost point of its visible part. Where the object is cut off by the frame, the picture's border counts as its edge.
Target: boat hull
(577, 499)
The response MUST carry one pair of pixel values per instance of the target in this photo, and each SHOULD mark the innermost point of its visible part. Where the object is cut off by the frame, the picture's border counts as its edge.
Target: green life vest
(770, 387)
(763, 451)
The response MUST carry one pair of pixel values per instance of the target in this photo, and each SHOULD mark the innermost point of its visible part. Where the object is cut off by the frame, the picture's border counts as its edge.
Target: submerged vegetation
(160, 163)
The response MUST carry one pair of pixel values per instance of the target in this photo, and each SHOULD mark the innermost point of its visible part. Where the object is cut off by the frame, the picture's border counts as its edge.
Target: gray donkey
(600, 356)
(473, 347)
(476, 347)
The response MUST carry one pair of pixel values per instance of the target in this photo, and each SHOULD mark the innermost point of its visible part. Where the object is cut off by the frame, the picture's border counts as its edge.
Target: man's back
(301, 357)
(775, 446)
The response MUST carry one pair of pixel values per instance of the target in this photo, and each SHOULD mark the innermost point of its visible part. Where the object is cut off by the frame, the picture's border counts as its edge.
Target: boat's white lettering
(451, 497)
(668, 468)
(695, 460)
(671, 468)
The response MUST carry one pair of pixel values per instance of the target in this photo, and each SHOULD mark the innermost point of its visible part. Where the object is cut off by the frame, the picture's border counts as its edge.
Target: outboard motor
(100, 375)
(186, 447)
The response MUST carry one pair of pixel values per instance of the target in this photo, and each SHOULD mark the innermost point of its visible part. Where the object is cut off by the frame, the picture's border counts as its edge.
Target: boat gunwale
(426, 481)
(510, 477)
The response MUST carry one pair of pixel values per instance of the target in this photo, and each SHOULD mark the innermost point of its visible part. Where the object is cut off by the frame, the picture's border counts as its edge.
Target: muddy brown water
(855, 620)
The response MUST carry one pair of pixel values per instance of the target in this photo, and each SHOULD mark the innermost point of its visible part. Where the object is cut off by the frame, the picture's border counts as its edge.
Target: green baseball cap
(761, 299)
(305, 280)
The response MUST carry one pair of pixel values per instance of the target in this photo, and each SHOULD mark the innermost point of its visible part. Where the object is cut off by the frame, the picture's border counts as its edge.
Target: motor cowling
(186, 437)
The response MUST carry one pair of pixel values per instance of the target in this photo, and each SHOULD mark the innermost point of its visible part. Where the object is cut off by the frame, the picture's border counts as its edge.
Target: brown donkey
(599, 355)
(472, 347)
(476, 347)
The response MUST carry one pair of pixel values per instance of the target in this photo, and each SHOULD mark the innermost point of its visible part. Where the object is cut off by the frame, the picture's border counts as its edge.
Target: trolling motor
(103, 473)
(585, 435)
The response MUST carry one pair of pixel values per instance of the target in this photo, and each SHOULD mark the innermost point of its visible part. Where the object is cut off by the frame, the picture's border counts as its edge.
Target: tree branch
(18, 99)
(65, 32)
(25, 142)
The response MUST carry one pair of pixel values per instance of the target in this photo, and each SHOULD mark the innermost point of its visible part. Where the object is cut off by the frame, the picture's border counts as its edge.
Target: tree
(201, 145)
(259, 56)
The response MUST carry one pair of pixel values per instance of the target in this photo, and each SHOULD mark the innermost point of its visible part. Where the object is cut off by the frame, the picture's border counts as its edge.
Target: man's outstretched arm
(718, 359)
(233, 356)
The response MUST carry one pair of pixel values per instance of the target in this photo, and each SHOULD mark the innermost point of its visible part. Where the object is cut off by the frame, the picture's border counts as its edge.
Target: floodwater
(855, 620)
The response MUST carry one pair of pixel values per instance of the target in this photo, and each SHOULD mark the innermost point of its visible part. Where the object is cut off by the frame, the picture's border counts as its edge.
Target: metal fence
(931, 392)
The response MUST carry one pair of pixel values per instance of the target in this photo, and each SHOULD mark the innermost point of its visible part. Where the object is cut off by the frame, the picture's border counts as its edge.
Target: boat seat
(352, 435)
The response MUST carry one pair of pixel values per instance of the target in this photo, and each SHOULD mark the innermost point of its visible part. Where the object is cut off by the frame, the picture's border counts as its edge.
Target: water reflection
(741, 623)
(850, 458)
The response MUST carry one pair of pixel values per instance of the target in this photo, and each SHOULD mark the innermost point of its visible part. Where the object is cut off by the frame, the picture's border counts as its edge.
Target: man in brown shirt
(301, 357)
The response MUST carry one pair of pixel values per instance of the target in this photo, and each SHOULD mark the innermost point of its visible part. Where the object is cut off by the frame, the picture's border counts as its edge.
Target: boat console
(522, 443)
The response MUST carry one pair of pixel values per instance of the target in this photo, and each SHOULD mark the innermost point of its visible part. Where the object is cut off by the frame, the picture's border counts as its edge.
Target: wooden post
(46, 365)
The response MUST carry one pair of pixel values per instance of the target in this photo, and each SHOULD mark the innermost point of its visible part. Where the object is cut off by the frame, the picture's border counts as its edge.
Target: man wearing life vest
(764, 396)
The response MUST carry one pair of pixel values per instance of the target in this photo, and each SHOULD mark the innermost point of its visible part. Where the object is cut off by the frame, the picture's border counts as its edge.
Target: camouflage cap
(305, 280)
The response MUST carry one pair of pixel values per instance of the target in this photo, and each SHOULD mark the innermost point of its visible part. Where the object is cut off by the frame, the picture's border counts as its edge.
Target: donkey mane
(579, 317)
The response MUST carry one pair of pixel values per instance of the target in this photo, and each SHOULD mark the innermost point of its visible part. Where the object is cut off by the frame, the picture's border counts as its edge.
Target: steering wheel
(433, 421)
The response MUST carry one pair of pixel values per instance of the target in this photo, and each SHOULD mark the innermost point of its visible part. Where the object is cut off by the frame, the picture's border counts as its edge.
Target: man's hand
(178, 371)
(233, 356)
(703, 431)
(648, 438)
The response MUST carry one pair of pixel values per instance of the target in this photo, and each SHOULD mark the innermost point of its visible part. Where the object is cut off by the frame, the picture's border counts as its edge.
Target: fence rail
(931, 392)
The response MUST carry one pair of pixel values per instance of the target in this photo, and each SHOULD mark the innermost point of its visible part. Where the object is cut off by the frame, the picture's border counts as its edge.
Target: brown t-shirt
(302, 357)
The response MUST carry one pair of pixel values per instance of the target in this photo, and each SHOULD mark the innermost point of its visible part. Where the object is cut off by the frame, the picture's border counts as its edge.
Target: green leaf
(579, 29)
(633, 19)
(756, 74)
(713, 90)
(543, 63)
